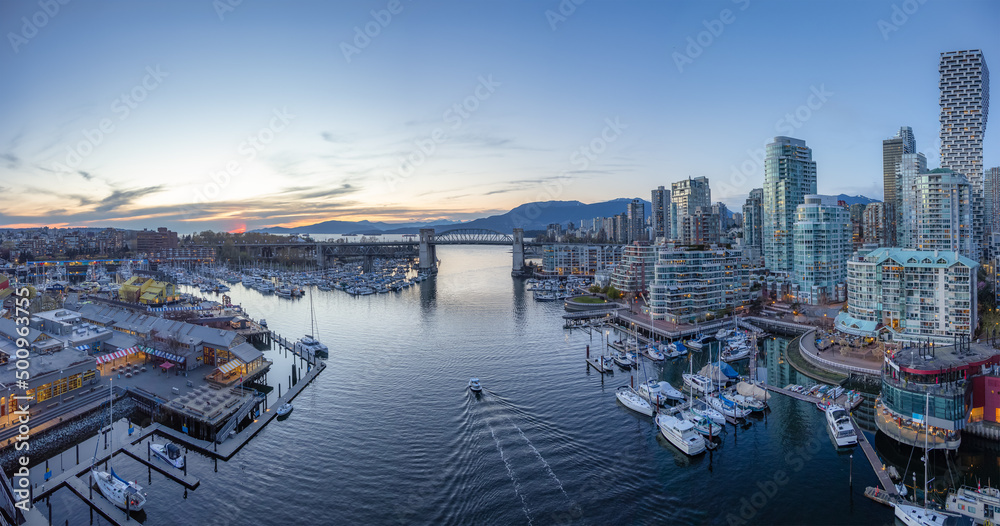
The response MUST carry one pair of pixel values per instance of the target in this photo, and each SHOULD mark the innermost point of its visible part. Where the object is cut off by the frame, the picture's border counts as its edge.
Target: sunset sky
(197, 115)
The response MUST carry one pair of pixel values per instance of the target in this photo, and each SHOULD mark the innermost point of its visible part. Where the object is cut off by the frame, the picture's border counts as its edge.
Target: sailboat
(120, 492)
(307, 344)
(913, 515)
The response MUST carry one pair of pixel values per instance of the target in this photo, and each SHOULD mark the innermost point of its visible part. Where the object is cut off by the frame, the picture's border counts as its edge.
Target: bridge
(423, 248)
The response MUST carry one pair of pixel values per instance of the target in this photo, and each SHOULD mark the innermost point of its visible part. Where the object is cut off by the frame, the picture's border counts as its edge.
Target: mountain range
(530, 216)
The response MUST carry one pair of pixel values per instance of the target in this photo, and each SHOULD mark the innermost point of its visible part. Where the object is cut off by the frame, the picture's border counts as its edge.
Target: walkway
(876, 462)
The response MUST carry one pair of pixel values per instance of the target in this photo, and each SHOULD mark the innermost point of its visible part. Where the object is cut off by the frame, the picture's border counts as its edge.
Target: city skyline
(245, 123)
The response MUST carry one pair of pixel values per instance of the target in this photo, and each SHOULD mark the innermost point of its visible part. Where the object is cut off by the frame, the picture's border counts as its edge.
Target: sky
(233, 114)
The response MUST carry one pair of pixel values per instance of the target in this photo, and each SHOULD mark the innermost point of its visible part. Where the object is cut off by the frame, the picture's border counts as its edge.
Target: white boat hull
(127, 496)
(681, 434)
(633, 401)
(161, 451)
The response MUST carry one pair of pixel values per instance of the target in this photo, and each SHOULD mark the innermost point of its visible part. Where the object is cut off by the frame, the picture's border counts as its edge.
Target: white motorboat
(681, 434)
(840, 426)
(120, 492)
(630, 399)
(913, 515)
(169, 452)
(699, 383)
(704, 425)
(623, 360)
(974, 502)
(697, 343)
(723, 333)
(654, 354)
(726, 407)
(475, 386)
(661, 391)
(746, 402)
(733, 354)
(700, 408)
(284, 409)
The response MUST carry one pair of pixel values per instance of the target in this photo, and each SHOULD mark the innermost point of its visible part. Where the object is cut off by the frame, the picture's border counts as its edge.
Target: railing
(223, 433)
(821, 362)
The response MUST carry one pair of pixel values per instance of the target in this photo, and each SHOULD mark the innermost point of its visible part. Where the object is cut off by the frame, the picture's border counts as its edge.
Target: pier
(103, 507)
(883, 477)
(840, 400)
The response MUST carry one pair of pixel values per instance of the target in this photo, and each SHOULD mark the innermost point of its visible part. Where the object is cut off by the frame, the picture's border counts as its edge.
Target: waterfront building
(579, 259)
(687, 195)
(926, 393)
(965, 103)
(753, 216)
(660, 213)
(691, 284)
(912, 295)
(635, 271)
(873, 225)
(789, 176)
(147, 291)
(892, 152)
(822, 235)
(636, 221)
(908, 169)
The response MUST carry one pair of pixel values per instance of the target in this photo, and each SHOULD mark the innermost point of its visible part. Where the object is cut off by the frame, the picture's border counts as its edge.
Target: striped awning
(166, 356)
(83, 347)
(229, 366)
(115, 355)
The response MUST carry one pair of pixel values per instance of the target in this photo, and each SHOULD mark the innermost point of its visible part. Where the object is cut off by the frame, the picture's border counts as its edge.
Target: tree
(795, 307)
(613, 293)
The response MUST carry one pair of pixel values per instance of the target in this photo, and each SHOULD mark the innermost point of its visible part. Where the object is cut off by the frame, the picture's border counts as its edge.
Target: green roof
(920, 258)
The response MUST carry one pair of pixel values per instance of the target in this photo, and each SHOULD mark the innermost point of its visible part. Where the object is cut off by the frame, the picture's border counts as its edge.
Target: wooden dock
(103, 506)
(880, 472)
(136, 451)
(840, 400)
(596, 364)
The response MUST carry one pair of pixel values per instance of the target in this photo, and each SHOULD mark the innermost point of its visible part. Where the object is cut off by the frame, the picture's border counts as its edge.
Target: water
(390, 434)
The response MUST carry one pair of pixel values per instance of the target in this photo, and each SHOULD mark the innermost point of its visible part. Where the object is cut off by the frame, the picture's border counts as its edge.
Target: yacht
(311, 347)
(840, 426)
(169, 452)
(913, 515)
(981, 504)
(623, 360)
(654, 354)
(630, 399)
(475, 386)
(700, 408)
(660, 391)
(698, 342)
(727, 407)
(704, 425)
(681, 433)
(698, 383)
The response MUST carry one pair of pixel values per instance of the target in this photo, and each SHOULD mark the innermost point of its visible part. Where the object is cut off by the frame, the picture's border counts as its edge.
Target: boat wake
(540, 458)
(510, 473)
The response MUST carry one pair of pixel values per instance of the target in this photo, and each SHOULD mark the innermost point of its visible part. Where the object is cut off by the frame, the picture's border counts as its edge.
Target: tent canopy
(166, 365)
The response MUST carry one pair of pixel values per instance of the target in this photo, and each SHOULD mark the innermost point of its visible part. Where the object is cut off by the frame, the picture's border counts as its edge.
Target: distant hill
(530, 216)
(855, 199)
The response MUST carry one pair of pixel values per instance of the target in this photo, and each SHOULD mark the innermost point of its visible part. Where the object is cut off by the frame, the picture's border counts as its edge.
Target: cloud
(85, 175)
(120, 198)
(13, 161)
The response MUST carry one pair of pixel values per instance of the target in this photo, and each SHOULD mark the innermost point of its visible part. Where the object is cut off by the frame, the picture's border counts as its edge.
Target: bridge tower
(320, 255)
(518, 251)
(428, 256)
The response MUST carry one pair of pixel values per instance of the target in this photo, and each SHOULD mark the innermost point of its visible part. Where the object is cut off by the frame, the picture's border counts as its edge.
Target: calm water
(389, 433)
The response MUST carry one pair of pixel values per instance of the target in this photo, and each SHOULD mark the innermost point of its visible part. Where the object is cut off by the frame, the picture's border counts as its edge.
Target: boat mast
(927, 456)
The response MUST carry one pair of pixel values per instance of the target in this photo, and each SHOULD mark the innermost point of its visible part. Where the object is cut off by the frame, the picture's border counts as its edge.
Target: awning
(166, 365)
(115, 355)
(82, 347)
(229, 366)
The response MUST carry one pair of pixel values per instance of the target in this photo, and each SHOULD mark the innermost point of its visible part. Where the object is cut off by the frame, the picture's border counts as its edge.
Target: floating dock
(880, 472)
(840, 400)
(103, 507)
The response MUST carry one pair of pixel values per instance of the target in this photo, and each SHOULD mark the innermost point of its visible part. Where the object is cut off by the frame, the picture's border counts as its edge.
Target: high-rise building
(700, 227)
(991, 201)
(690, 283)
(822, 247)
(636, 221)
(873, 224)
(620, 229)
(857, 211)
(753, 211)
(686, 195)
(892, 151)
(722, 213)
(661, 212)
(965, 105)
(914, 294)
(943, 213)
(909, 167)
(635, 271)
(789, 176)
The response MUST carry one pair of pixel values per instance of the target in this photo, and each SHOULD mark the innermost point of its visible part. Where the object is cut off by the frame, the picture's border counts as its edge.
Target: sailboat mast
(927, 456)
